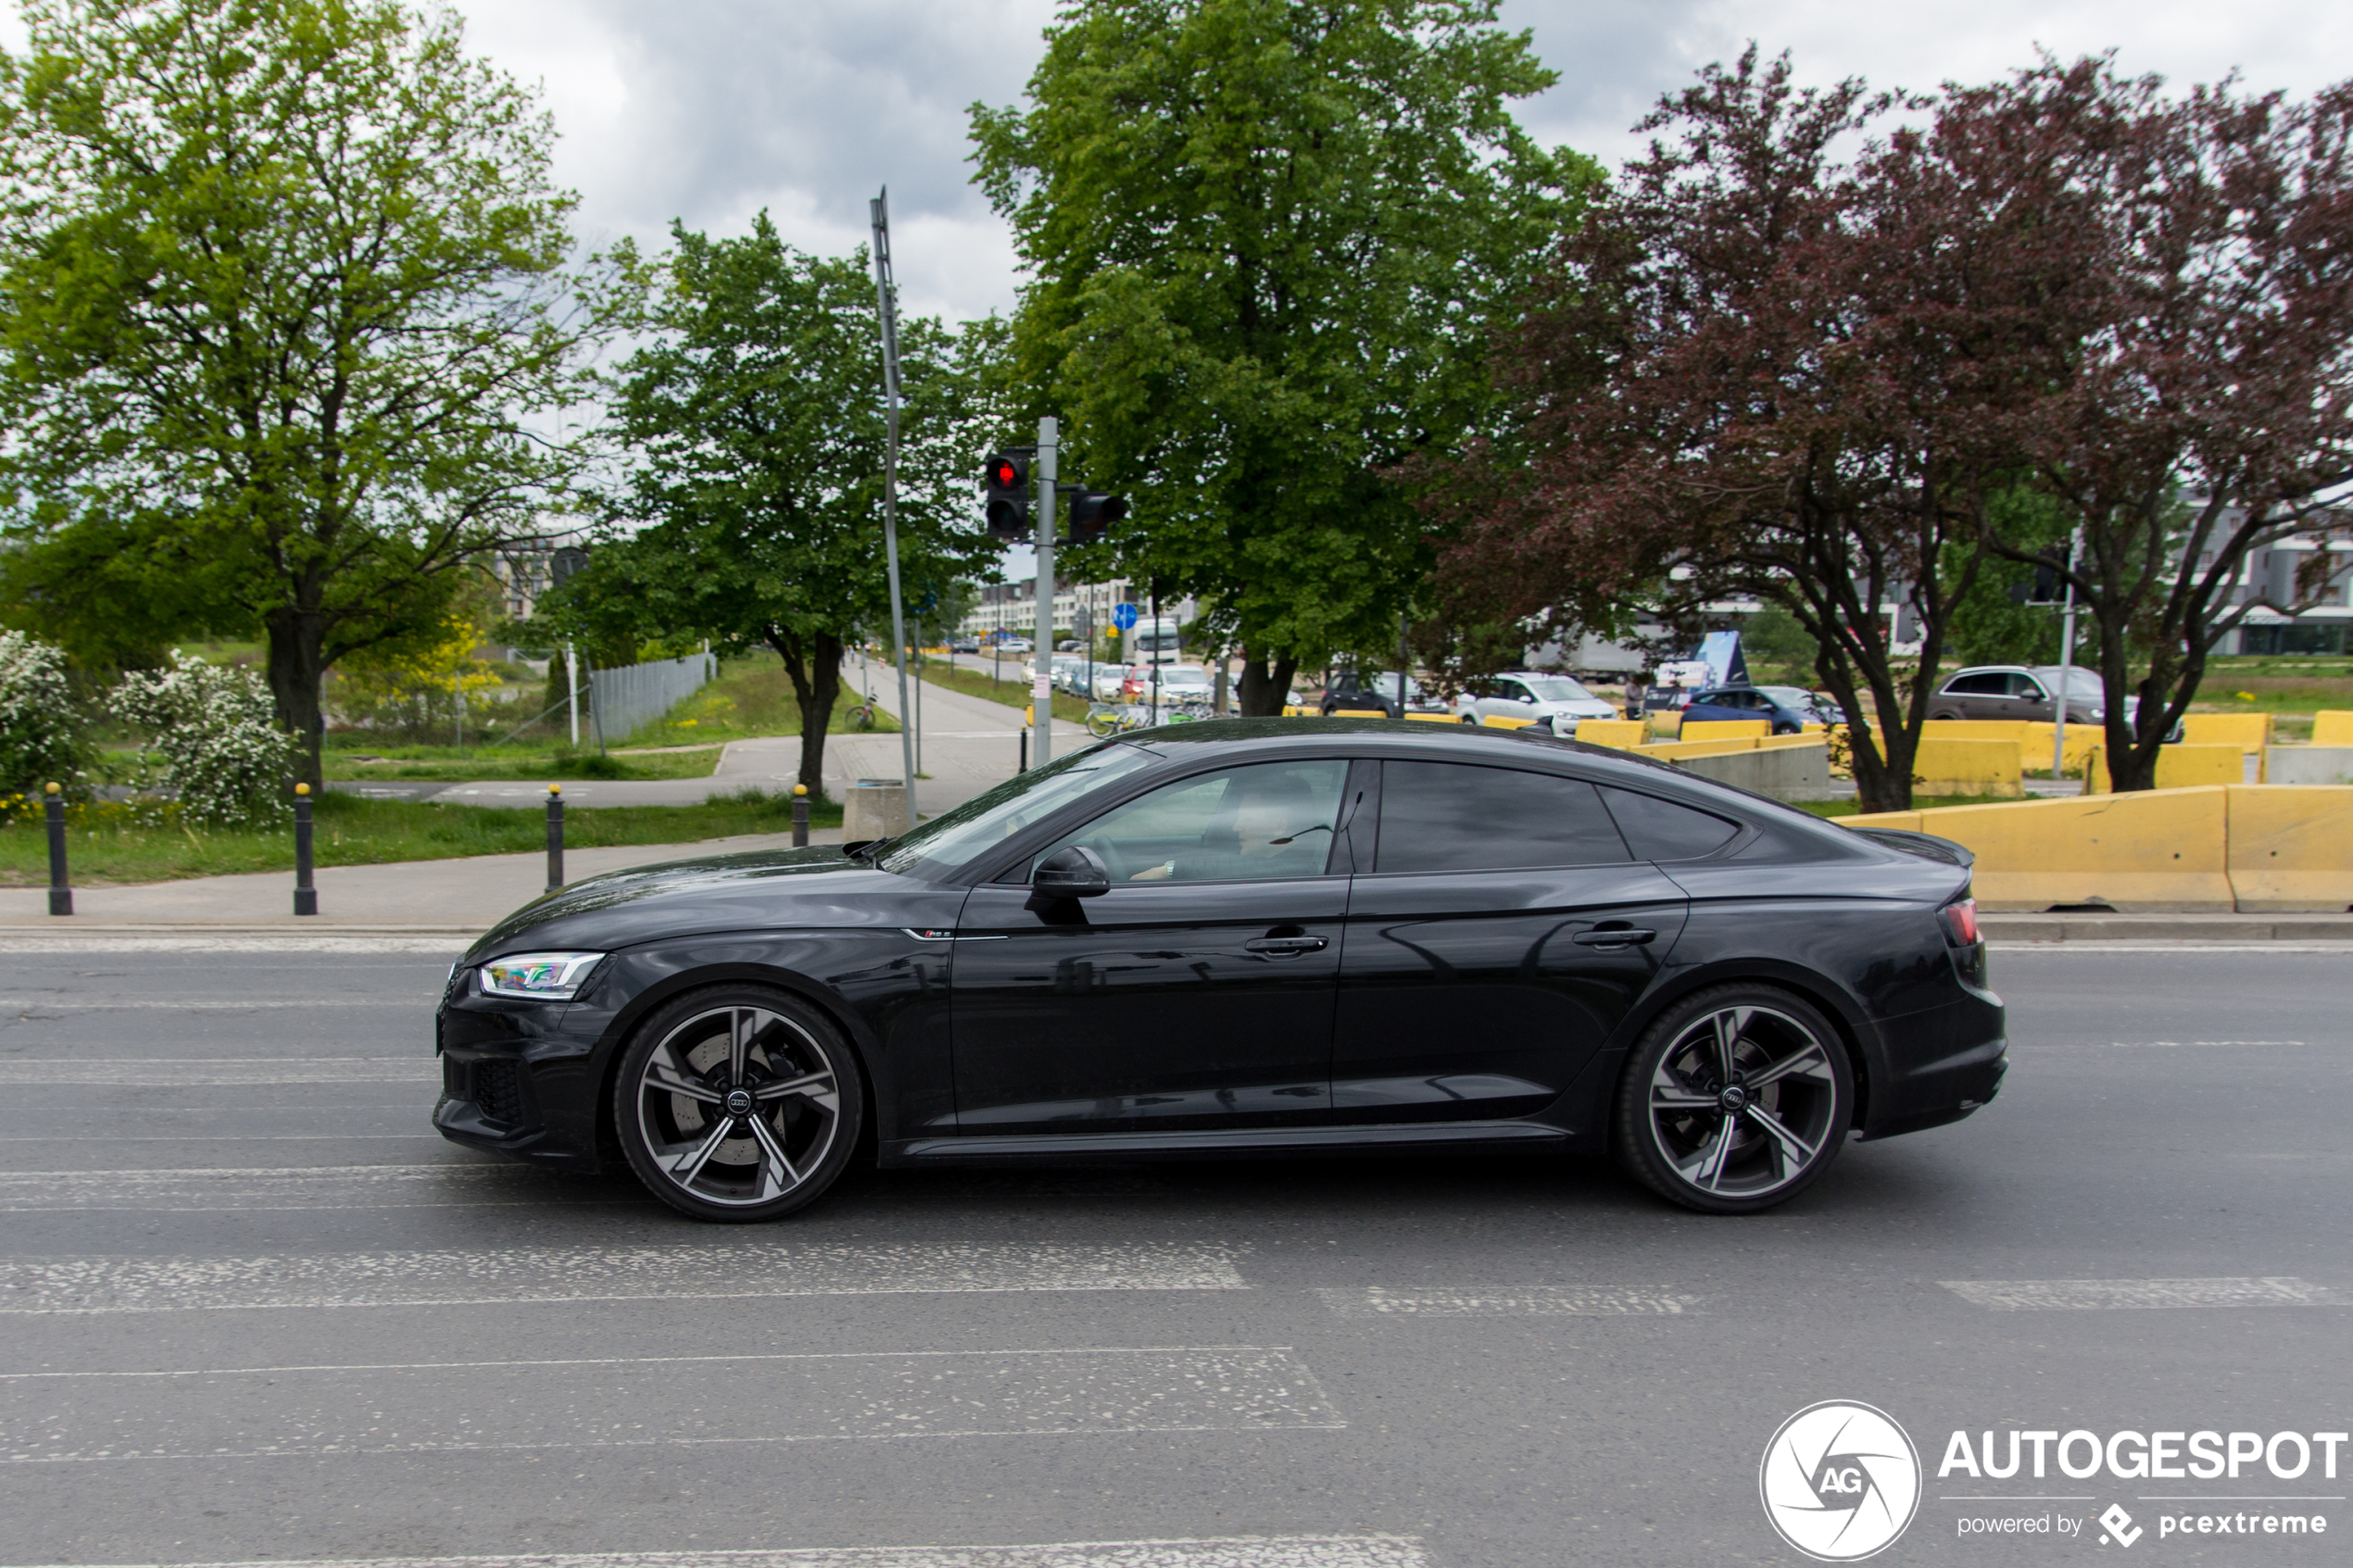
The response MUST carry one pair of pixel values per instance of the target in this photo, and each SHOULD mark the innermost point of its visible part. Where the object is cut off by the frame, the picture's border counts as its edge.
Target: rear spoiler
(1927, 845)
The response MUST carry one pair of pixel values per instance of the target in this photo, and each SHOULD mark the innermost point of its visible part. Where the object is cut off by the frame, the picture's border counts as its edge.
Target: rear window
(1663, 830)
(1453, 817)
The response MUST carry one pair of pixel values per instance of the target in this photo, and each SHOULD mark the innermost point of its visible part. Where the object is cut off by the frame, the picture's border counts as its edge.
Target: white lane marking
(758, 1268)
(2177, 1045)
(1232, 1551)
(210, 1188)
(354, 945)
(70, 1002)
(191, 1071)
(2076, 1294)
(1505, 1301)
(661, 1402)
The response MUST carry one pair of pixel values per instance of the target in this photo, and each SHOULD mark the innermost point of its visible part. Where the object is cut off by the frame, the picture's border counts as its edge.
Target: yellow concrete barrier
(1360, 713)
(1291, 712)
(1670, 750)
(1967, 767)
(1780, 743)
(2250, 731)
(1432, 718)
(2247, 846)
(1498, 722)
(1724, 729)
(1624, 734)
(2291, 847)
(2178, 767)
(2150, 849)
(1667, 721)
(2034, 751)
(2333, 726)
(2032, 737)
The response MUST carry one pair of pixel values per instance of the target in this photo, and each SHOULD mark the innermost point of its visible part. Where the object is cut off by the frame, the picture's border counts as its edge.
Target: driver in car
(1267, 826)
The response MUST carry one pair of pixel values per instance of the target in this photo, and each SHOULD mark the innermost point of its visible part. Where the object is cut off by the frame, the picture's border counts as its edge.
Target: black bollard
(306, 895)
(555, 837)
(800, 816)
(1025, 753)
(60, 893)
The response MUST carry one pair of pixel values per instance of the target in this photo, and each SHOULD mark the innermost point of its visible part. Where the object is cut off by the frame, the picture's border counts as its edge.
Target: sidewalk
(465, 895)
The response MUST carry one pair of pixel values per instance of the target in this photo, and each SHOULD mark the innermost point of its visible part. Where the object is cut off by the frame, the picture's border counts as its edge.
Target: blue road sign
(1123, 616)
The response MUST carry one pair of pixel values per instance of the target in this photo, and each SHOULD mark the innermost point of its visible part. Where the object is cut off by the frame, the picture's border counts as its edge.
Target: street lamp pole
(1042, 684)
(887, 307)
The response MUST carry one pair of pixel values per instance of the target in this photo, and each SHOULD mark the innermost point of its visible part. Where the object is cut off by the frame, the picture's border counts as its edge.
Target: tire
(1471, 719)
(799, 1110)
(1787, 1099)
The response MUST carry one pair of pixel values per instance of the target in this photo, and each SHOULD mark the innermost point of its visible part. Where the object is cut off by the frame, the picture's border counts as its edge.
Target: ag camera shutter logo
(1841, 1481)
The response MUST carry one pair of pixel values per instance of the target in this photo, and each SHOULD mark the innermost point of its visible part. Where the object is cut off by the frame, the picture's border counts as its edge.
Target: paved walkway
(468, 894)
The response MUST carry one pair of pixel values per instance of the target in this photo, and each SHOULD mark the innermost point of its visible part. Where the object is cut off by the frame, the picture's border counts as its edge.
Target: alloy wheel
(739, 1107)
(1745, 1102)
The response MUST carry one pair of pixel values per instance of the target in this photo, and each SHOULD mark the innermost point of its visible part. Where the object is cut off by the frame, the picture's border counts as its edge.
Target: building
(1011, 608)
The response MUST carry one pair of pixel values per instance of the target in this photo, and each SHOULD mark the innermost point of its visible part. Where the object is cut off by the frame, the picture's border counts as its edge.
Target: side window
(1452, 817)
(1976, 685)
(1512, 691)
(2027, 687)
(1274, 820)
(1662, 829)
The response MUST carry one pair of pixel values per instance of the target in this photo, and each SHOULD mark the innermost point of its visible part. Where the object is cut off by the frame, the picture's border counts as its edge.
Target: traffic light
(1004, 487)
(1093, 515)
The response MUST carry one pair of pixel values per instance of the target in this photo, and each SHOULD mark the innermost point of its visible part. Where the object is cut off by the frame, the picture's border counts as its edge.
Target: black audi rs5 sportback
(1246, 937)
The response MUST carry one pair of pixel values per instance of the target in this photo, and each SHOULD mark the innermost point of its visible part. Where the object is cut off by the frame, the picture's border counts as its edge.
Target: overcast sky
(710, 109)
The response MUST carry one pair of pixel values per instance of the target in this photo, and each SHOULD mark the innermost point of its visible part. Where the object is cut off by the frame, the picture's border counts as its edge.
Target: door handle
(1620, 937)
(1284, 946)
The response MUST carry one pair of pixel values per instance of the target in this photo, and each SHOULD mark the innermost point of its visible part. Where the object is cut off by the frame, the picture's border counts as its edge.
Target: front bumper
(513, 1082)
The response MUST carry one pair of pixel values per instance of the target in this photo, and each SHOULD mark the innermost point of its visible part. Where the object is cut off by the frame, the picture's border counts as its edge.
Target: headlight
(538, 977)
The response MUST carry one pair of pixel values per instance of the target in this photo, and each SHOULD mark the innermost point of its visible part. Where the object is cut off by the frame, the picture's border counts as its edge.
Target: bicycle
(861, 717)
(1115, 717)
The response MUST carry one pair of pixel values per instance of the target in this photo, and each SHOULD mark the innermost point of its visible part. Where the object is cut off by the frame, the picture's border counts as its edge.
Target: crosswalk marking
(196, 1071)
(2077, 1295)
(655, 1402)
(206, 1189)
(756, 1268)
(1235, 1551)
(1505, 1301)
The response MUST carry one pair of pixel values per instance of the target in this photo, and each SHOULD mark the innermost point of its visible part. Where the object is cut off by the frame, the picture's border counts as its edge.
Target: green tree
(1269, 239)
(280, 299)
(753, 417)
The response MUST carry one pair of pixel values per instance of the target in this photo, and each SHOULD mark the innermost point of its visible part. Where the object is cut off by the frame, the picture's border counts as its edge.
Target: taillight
(1960, 923)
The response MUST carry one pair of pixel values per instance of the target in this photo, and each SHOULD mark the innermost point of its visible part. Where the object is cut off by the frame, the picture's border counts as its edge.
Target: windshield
(1789, 696)
(1556, 688)
(2079, 680)
(989, 819)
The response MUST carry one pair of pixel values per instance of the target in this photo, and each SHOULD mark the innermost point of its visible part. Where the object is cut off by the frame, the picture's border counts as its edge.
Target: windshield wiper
(869, 849)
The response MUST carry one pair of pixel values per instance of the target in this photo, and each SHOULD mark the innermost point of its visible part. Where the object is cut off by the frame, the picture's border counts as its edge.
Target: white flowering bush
(40, 741)
(224, 759)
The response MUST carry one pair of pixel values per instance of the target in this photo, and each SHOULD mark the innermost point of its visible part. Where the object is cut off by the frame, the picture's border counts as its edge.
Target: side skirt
(1450, 1137)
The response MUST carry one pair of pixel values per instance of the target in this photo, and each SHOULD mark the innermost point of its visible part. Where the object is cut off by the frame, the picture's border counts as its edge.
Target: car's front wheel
(1735, 1099)
(738, 1103)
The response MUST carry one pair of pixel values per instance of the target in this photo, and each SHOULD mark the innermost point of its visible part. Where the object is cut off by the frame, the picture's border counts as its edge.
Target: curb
(2165, 928)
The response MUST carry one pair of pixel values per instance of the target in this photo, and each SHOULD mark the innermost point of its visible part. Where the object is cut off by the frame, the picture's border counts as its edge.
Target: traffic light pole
(1041, 685)
(887, 307)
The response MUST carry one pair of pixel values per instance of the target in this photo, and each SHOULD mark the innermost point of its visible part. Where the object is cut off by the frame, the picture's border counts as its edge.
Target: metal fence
(625, 700)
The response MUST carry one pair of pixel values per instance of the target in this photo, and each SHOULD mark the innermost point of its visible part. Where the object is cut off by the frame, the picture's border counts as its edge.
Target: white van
(1151, 642)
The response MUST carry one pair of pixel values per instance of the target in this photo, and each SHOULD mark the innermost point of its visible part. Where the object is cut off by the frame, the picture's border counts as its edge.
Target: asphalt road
(251, 1308)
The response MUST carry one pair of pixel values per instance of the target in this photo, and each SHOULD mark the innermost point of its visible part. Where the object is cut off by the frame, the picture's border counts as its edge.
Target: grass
(355, 831)
(1013, 693)
(751, 697)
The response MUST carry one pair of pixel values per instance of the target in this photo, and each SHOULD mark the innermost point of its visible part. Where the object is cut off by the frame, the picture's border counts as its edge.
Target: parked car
(1013, 645)
(1377, 689)
(2019, 691)
(1556, 703)
(1788, 709)
(963, 644)
(1246, 937)
(1111, 679)
(1181, 683)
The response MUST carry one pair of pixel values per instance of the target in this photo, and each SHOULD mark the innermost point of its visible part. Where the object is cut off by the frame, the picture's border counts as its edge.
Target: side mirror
(1074, 872)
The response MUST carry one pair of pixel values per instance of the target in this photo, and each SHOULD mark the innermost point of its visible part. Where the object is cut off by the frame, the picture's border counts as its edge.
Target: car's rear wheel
(738, 1103)
(1737, 1098)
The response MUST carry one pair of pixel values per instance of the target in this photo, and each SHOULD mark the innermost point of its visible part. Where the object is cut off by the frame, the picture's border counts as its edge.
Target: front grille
(498, 1090)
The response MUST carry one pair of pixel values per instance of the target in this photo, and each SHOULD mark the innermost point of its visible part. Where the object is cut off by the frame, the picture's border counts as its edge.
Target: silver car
(1551, 702)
